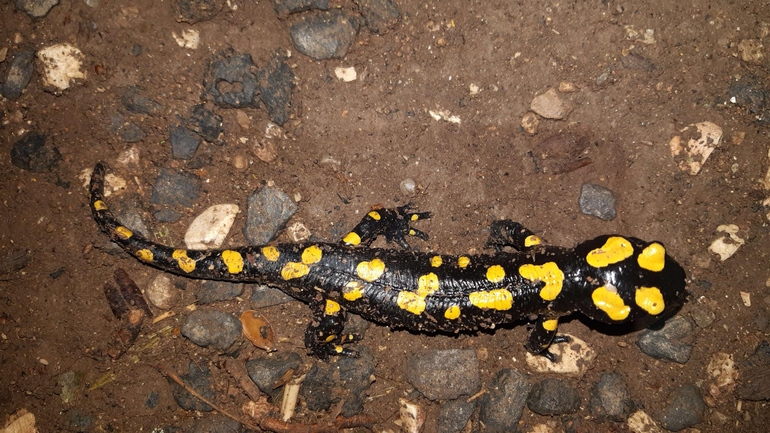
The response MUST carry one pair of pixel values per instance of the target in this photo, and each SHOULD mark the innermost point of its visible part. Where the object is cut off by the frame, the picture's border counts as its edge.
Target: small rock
(703, 315)
(19, 74)
(550, 105)
(553, 397)
(454, 415)
(198, 378)
(640, 422)
(184, 143)
(598, 201)
(408, 187)
(298, 232)
(325, 35)
(167, 216)
(267, 370)
(212, 329)
(751, 93)
(189, 38)
(195, 11)
(175, 189)
(604, 79)
(215, 291)
(694, 154)
(501, 408)
(276, 84)
(239, 72)
(380, 15)
(610, 398)
(726, 246)
(345, 74)
(568, 87)
(241, 163)
(131, 133)
(574, 358)
(346, 380)
(285, 7)
(755, 375)
(444, 374)
(209, 229)
(529, 123)
(60, 64)
(268, 210)
(636, 62)
(31, 153)
(751, 51)
(161, 292)
(136, 50)
(205, 123)
(266, 296)
(722, 372)
(684, 409)
(36, 8)
(672, 342)
(136, 102)
(411, 416)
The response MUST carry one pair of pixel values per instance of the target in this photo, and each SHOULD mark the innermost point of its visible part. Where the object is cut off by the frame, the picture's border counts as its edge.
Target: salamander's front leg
(324, 336)
(394, 224)
(544, 334)
(507, 233)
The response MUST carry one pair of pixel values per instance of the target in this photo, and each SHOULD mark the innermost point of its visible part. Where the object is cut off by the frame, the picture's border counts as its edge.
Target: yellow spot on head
(411, 302)
(233, 260)
(615, 250)
(352, 290)
(532, 240)
(427, 284)
(123, 232)
(495, 273)
(500, 299)
(294, 270)
(436, 261)
(610, 302)
(271, 253)
(374, 215)
(653, 257)
(100, 205)
(452, 312)
(352, 238)
(549, 273)
(650, 300)
(332, 308)
(311, 254)
(144, 255)
(551, 325)
(463, 261)
(185, 263)
(370, 271)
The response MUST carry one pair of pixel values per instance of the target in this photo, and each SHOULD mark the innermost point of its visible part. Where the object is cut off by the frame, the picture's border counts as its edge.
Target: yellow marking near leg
(100, 205)
(427, 284)
(353, 291)
(650, 300)
(500, 299)
(311, 254)
(352, 238)
(332, 308)
(294, 270)
(653, 257)
(610, 302)
(495, 273)
(415, 217)
(123, 232)
(185, 263)
(615, 250)
(452, 312)
(411, 302)
(331, 338)
(338, 349)
(271, 253)
(412, 232)
(532, 240)
(144, 255)
(370, 271)
(550, 325)
(436, 261)
(549, 273)
(233, 260)
(463, 261)
(374, 215)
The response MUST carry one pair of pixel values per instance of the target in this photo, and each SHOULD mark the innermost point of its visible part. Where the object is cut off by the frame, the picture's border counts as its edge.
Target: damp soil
(349, 145)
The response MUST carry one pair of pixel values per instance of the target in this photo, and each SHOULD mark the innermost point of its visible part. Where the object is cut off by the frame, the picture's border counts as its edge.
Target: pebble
(604, 79)
(195, 11)
(237, 70)
(167, 216)
(214, 423)
(131, 133)
(184, 143)
(755, 380)
(19, 74)
(268, 210)
(325, 35)
(36, 8)
(276, 85)
(214, 291)
(684, 409)
(347, 379)
(529, 123)
(241, 163)
(640, 422)
(197, 378)
(750, 93)
(722, 372)
(550, 105)
(726, 246)
(209, 229)
(175, 189)
(32, 153)
(610, 398)
(267, 370)
(501, 407)
(380, 15)
(285, 7)
(205, 123)
(213, 328)
(161, 292)
(574, 358)
(345, 74)
(672, 342)
(454, 415)
(298, 232)
(598, 201)
(60, 65)
(553, 397)
(751, 51)
(636, 62)
(266, 296)
(444, 374)
(408, 187)
(135, 101)
(411, 416)
(692, 155)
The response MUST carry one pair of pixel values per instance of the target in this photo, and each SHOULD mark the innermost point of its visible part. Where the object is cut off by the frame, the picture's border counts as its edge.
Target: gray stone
(598, 201)
(268, 210)
(276, 84)
(610, 398)
(685, 408)
(32, 153)
(36, 8)
(214, 291)
(672, 342)
(380, 15)
(205, 123)
(265, 296)
(553, 397)
(325, 35)
(501, 408)
(184, 143)
(285, 7)
(136, 102)
(197, 378)
(175, 189)
(454, 415)
(19, 74)
(239, 72)
(266, 371)
(213, 329)
(444, 374)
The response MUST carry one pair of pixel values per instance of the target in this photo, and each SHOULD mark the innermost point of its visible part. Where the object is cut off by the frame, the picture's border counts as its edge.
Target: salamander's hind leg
(544, 334)
(507, 233)
(324, 336)
(394, 224)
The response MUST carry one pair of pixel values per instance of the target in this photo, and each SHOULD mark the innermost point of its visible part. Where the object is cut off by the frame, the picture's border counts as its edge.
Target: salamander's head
(629, 280)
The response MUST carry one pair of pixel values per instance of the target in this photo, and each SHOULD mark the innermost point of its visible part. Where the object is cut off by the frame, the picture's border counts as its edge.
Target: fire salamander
(611, 279)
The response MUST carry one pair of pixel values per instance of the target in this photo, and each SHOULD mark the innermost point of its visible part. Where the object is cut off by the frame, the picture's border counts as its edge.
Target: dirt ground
(350, 144)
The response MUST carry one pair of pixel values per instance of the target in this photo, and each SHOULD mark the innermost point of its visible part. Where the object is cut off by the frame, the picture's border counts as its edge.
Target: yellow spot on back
(311, 254)
(615, 250)
(353, 290)
(549, 273)
(463, 261)
(500, 299)
(123, 232)
(550, 325)
(100, 205)
(352, 238)
(650, 300)
(427, 284)
(452, 312)
(495, 273)
(271, 253)
(436, 261)
(653, 257)
(332, 308)
(144, 255)
(233, 260)
(370, 271)
(610, 302)
(294, 270)
(374, 215)
(532, 240)
(414, 217)
(185, 263)
(411, 302)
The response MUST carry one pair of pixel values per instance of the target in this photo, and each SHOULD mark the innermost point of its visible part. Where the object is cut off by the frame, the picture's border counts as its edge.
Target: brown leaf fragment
(258, 330)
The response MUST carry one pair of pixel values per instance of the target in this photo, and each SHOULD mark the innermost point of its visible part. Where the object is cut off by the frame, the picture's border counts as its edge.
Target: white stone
(640, 422)
(575, 358)
(346, 74)
(210, 228)
(60, 64)
(161, 292)
(550, 105)
(188, 39)
(726, 246)
(697, 150)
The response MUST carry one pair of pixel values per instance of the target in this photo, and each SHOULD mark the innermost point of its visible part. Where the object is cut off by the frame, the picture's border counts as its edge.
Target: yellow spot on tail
(294, 270)
(495, 273)
(615, 250)
(463, 261)
(100, 205)
(452, 312)
(374, 215)
(233, 260)
(353, 291)
(370, 271)
(123, 232)
(549, 273)
(311, 254)
(271, 253)
(427, 284)
(436, 261)
(500, 299)
(532, 240)
(653, 257)
(332, 308)
(610, 302)
(144, 255)
(352, 238)
(411, 302)
(650, 300)
(185, 263)
(550, 325)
